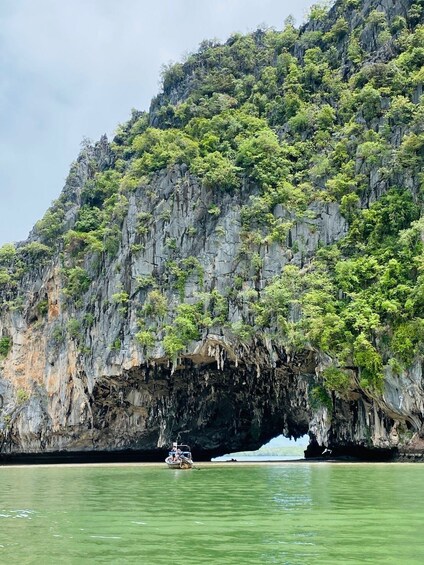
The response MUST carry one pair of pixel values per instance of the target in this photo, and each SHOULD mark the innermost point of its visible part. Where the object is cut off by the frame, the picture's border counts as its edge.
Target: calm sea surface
(280, 513)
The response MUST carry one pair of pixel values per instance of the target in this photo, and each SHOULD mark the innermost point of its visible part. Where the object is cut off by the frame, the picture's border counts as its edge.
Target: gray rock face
(91, 394)
(77, 379)
(103, 392)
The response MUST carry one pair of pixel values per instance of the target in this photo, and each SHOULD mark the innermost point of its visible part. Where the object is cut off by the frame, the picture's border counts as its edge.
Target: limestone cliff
(176, 288)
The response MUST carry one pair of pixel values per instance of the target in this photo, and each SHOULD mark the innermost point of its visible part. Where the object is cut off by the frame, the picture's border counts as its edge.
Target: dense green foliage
(286, 119)
(360, 301)
(5, 345)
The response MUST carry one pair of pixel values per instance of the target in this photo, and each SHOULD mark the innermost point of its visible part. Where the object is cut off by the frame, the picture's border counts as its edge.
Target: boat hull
(187, 464)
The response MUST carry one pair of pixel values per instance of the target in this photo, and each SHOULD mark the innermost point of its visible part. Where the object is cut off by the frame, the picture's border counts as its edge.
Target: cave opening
(280, 448)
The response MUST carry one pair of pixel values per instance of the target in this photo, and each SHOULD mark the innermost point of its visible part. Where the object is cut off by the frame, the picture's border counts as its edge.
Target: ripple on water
(27, 514)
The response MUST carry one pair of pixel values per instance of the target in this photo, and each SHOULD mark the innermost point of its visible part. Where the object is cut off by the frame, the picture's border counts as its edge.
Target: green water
(287, 513)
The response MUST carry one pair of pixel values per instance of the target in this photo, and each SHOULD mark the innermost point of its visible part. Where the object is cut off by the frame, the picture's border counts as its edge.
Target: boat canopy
(181, 447)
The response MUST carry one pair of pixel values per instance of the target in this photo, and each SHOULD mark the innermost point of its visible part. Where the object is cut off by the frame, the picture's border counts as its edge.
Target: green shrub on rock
(5, 346)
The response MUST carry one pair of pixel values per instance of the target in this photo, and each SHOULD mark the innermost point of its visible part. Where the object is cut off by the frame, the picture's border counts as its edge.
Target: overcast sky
(74, 68)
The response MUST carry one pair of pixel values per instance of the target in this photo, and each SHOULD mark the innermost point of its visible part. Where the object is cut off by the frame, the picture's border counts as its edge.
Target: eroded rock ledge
(136, 415)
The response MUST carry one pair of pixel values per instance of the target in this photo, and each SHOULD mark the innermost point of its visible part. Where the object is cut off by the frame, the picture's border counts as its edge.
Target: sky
(281, 441)
(74, 69)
